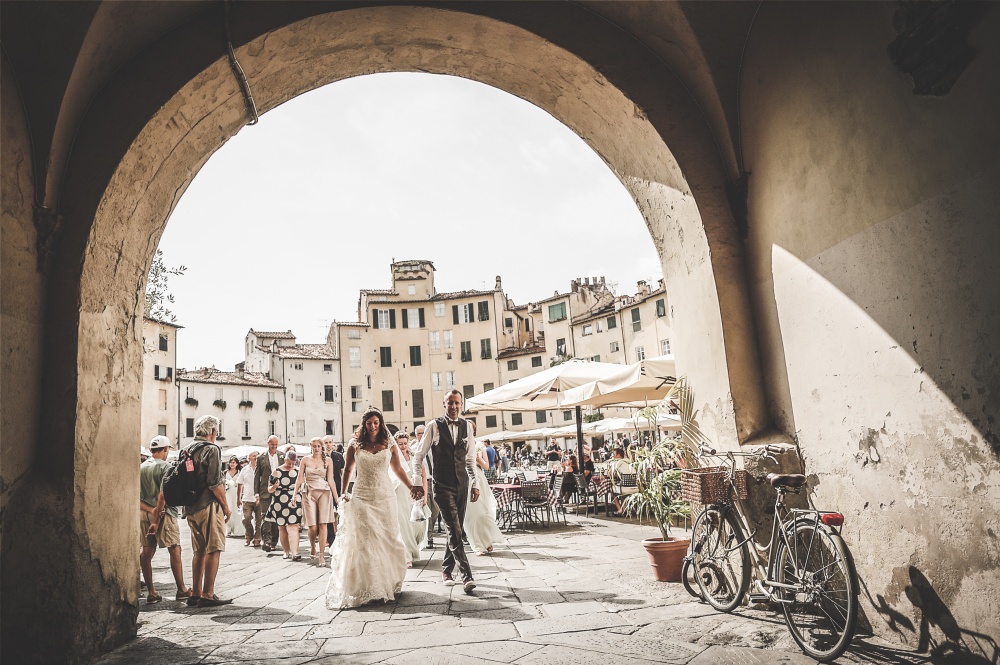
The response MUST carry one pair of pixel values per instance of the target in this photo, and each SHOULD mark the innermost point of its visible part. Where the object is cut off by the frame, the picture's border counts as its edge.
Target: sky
(293, 216)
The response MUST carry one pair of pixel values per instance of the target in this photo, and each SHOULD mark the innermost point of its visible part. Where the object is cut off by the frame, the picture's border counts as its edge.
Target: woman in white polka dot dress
(283, 511)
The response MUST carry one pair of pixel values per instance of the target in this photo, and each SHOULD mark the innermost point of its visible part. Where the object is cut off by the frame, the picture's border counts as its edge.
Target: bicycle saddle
(786, 480)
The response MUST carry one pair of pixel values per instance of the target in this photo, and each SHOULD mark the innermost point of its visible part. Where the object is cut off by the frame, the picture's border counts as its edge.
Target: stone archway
(162, 117)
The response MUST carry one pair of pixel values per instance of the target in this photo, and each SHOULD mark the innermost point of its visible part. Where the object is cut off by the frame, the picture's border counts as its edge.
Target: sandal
(297, 557)
(153, 597)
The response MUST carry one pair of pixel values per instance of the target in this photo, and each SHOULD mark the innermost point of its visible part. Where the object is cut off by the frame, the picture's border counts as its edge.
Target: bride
(368, 560)
(480, 522)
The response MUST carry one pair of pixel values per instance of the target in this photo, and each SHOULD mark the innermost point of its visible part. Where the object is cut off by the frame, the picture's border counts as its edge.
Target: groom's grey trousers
(452, 505)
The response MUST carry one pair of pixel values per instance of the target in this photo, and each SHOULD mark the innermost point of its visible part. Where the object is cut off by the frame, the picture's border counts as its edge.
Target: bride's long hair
(383, 437)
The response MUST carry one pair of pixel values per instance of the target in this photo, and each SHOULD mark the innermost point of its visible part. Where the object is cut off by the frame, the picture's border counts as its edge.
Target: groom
(451, 456)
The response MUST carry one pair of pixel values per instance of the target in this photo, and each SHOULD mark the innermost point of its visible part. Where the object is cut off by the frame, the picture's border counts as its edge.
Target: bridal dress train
(413, 534)
(480, 522)
(368, 561)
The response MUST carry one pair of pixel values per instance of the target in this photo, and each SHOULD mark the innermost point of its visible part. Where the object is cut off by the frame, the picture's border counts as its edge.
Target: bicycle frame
(783, 524)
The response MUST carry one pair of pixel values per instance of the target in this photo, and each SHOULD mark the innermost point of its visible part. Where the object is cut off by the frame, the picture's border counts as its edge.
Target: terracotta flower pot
(666, 557)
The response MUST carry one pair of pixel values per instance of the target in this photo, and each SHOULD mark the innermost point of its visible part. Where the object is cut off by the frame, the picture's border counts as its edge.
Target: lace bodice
(372, 481)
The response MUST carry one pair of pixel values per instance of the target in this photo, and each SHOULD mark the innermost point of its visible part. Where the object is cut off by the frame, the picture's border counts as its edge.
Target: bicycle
(806, 567)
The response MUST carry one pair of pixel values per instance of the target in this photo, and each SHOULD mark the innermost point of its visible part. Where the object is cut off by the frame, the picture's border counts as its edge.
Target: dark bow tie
(453, 422)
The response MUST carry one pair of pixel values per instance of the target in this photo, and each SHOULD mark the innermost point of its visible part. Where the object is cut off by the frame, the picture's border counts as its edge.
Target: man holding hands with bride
(451, 457)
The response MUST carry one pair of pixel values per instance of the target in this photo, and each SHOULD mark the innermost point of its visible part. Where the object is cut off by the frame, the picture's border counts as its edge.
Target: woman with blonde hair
(316, 473)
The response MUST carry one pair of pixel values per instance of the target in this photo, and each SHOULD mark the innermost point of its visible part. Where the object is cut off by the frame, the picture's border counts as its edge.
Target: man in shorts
(208, 515)
(158, 522)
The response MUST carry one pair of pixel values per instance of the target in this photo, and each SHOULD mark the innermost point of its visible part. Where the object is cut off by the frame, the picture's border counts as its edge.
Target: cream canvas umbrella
(618, 425)
(543, 390)
(640, 384)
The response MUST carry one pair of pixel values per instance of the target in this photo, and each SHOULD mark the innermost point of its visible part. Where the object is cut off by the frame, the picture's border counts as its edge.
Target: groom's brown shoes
(469, 584)
(447, 579)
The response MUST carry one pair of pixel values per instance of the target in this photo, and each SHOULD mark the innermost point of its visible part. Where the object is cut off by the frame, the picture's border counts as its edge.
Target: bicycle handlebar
(774, 449)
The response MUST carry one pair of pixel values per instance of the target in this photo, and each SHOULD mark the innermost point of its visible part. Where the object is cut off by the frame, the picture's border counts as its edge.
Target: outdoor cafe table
(508, 496)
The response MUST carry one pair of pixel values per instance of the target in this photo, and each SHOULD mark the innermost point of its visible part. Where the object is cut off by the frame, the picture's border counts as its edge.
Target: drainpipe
(284, 396)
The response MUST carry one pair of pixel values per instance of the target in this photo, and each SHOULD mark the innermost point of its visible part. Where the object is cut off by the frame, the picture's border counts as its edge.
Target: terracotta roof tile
(307, 352)
(516, 352)
(212, 375)
(288, 334)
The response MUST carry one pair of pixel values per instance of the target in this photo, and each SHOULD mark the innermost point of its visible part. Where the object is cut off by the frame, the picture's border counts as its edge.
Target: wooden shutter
(420, 313)
(392, 318)
(406, 318)
(374, 318)
(454, 313)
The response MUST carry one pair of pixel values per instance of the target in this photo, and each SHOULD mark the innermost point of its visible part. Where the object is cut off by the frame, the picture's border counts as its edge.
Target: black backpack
(180, 483)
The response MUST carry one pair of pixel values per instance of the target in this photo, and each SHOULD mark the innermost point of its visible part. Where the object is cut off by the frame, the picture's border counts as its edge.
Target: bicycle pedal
(758, 597)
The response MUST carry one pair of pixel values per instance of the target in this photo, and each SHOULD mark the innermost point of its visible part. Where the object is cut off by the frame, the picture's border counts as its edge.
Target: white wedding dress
(413, 534)
(481, 516)
(368, 559)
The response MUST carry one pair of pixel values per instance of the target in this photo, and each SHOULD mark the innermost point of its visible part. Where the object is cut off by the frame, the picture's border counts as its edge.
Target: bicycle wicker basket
(709, 484)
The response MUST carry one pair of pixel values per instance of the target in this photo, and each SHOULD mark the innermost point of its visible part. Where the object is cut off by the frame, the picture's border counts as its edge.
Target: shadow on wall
(938, 636)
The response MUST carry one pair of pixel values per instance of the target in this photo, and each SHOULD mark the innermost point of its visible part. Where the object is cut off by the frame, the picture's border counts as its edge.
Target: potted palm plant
(658, 497)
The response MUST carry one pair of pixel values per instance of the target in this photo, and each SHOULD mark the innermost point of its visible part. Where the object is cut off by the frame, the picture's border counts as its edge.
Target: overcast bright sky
(287, 221)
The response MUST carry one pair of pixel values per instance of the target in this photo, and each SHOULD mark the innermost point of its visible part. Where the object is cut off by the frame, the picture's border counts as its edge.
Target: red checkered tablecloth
(601, 485)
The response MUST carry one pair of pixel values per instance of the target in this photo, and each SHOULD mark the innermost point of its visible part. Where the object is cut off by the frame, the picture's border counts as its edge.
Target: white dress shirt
(423, 450)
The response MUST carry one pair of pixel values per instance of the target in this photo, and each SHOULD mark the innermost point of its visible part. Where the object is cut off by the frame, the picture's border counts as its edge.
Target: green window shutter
(406, 318)
(392, 318)
(421, 315)
(454, 313)
(374, 318)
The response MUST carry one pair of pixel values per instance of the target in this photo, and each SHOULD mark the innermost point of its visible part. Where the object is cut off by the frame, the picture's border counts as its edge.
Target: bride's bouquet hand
(419, 512)
(345, 497)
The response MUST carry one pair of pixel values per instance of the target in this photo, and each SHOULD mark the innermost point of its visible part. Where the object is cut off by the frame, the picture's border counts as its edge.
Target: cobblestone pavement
(581, 593)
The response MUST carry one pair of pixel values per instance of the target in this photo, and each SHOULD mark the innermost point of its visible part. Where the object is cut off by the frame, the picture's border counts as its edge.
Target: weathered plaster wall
(874, 230)
(21, 303)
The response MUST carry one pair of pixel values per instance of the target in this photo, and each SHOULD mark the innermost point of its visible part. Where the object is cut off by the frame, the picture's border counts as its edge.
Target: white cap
(159, 442)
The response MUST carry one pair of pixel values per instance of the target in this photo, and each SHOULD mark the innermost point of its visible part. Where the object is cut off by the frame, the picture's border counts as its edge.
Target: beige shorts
(208, 529)
(168, 535)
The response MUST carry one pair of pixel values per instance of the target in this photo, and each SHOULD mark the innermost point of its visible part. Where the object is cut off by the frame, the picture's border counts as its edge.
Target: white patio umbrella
(639, 384)
(543, 390)
(617, 425)
(241, 452)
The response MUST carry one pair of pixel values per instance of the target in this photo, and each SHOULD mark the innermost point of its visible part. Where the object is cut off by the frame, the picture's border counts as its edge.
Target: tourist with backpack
(208, 514)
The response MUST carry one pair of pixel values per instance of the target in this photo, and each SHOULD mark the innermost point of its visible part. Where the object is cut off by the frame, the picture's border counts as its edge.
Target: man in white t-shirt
(252, 515)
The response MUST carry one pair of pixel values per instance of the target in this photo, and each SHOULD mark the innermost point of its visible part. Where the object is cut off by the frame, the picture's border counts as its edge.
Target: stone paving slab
(576, 593)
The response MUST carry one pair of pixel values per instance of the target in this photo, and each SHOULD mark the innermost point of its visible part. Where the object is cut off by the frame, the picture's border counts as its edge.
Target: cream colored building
(412, 344)
(247, 404)
(627, 329)
(159, 395)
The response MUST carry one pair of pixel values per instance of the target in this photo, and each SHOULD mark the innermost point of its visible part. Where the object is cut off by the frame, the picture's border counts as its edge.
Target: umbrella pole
(579, 437)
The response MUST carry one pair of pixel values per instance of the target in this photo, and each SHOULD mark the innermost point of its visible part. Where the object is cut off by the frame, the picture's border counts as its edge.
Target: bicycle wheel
(688, 579)
(823, 613)
(720, 559)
